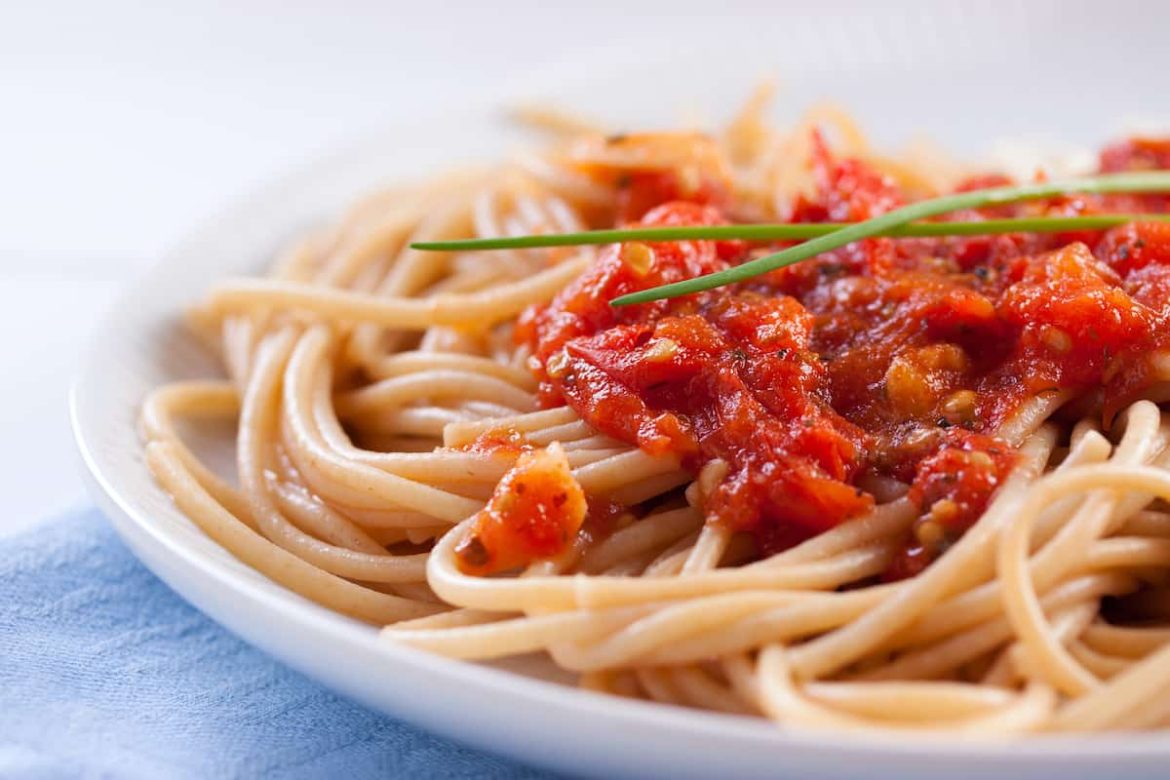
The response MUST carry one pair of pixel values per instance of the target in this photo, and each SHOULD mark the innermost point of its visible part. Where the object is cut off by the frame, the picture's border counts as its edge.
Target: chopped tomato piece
(536, 509)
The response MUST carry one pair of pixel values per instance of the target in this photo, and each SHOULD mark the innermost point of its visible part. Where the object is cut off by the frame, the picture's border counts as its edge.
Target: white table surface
(123, 124)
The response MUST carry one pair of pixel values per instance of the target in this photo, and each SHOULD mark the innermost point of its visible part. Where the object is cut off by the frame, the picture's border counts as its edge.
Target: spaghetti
(914, 483)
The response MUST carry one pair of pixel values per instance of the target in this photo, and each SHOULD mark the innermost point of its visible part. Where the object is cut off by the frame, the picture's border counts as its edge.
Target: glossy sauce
(534, 512)
(887, 360)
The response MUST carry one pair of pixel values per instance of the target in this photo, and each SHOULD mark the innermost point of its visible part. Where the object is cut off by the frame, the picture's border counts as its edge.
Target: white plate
(899, 72)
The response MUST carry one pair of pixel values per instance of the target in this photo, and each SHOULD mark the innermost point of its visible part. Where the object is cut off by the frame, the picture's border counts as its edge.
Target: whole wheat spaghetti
(910, 483)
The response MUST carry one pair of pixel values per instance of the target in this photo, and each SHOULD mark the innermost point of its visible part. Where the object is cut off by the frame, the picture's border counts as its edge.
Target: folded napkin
(105, 672)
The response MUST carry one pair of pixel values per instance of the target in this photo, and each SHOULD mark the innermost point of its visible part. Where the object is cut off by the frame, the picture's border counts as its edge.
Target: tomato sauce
(534, 512)
(893, 359)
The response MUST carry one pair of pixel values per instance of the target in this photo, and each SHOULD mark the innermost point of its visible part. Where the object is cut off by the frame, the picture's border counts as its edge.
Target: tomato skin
(1136, 154)
(1136, 246)
(642, 192)
(953, 486)
(887, 358)
(847, 189)
(534, 512)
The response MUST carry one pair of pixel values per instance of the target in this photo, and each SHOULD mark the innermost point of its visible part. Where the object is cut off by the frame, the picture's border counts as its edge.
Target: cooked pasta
(951, 516)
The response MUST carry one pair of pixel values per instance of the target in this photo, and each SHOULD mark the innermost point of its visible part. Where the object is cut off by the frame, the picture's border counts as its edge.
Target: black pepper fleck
(472, 551)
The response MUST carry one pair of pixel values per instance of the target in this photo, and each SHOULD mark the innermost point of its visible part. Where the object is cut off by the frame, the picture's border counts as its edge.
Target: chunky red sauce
(884, 360)
(535, 511)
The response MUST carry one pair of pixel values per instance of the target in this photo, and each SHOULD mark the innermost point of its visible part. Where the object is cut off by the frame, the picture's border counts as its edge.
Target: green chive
(788, 231)
(1145, 181)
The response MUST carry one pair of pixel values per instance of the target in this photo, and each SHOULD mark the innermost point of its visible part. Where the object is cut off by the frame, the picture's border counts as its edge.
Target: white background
(123, 124)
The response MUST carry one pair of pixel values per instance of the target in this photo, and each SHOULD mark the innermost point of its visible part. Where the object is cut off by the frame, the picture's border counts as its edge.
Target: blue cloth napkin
(105, 672)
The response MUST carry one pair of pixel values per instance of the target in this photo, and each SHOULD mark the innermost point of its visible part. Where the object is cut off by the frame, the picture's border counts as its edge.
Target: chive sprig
(820, 238)
(779, 231)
